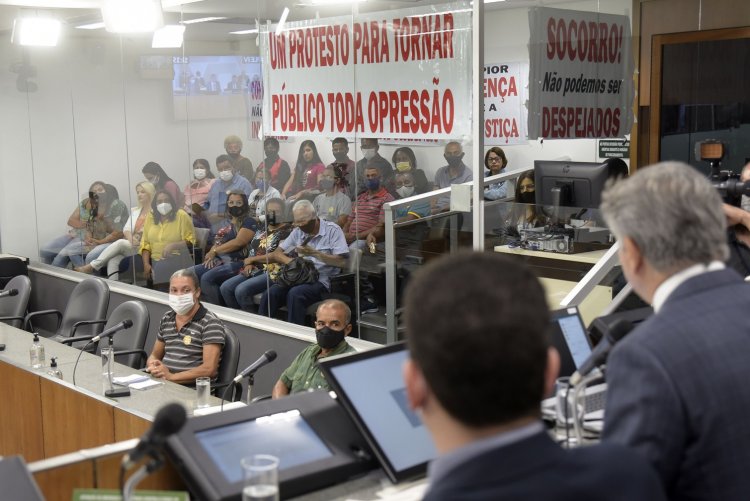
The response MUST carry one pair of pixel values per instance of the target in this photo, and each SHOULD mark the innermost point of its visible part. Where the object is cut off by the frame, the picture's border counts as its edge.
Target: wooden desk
(559, 273)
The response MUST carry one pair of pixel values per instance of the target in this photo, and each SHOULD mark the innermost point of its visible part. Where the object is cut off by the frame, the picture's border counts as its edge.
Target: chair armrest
(86, 322)
(27, 318)
(144, 355)
(260, 398)
(2, 319)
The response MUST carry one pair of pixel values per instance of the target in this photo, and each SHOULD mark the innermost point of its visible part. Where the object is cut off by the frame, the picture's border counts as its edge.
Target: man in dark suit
(678, 385)
(481, 362)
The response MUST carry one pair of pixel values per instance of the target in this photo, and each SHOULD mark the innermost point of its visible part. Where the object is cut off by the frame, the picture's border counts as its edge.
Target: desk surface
(591, 257)
(89, 380)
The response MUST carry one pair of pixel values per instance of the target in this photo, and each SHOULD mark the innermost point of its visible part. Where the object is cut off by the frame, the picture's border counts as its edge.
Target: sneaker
(367, 306)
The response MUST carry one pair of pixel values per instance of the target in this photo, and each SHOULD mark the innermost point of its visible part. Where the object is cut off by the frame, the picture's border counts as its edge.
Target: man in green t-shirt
(332, 325)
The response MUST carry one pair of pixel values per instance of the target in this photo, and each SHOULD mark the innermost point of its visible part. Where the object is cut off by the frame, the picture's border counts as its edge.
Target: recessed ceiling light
(91, 26)
(36, 31)
(202, 20)
(244, 32)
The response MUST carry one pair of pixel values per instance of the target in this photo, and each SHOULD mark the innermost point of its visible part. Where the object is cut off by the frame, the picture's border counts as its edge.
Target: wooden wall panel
(20, 413)
(57, 484)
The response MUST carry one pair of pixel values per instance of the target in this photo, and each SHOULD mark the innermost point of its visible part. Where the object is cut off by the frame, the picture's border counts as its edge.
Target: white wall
(94, 117)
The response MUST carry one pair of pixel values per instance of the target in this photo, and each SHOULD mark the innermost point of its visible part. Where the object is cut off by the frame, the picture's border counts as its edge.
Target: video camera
(726, 182)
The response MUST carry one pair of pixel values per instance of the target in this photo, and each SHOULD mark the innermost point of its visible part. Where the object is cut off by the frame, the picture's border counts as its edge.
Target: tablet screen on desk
(286, 435)
(370, 386)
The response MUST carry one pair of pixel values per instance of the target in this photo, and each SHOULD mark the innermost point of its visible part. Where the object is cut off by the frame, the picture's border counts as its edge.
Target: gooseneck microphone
(125, 324)
(168, 421)
(598, 356)
(264, 359)
(9, 292)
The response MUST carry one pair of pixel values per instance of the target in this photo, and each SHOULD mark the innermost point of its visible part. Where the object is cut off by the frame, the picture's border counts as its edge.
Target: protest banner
(505, 86)
(581, 74)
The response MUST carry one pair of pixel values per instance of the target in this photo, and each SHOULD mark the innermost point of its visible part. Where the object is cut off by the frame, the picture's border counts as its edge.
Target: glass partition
(127, 161)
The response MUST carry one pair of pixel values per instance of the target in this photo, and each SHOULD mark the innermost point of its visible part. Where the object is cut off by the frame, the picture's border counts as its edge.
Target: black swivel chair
(13, 308)
(230, 360)
(128, 343)
(84, 314)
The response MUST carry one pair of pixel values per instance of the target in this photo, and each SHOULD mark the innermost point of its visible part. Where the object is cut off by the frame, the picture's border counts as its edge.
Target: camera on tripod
(726, 182)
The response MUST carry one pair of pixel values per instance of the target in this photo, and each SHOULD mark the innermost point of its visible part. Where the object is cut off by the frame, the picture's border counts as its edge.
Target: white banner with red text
(401, 74)
(580, 76)
(505, 94)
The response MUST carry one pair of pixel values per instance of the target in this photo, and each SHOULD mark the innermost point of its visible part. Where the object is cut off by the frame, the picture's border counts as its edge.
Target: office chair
(230, 360)
(84, 314)
(128, 343)
(12, 267)
(13, 308)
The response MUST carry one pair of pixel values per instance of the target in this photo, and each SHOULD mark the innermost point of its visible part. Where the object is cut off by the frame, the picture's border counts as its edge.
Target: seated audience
(167, 233)
(456, 172)
(241, 165)
(190, 338)
(229, 180)
(340, 150)
(677, 384)
(196, 192)
(154, 174)
(404, 160)
(481, 362)
(318, 241)
(332, 325)
(370, 156)
(224, 259)
(333, 204)
(495, 163)
(262, 193)
(257, 274)
(276, 166)
(304, 180)
(95, 223)
(132, 234)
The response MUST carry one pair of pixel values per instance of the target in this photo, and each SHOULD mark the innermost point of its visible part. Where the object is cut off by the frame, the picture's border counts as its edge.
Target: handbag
(298, 271)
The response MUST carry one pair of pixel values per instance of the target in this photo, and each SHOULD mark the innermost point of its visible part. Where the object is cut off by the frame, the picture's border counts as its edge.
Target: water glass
(261, 478)
(564, 404)
(203, 390)
(107, 365)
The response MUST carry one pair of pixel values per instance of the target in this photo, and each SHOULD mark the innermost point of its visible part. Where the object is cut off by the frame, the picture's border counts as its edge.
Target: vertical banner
(580, 76)
(505, 119)
(401, 74)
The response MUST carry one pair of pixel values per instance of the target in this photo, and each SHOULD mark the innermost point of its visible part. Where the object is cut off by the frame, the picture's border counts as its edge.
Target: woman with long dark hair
(525, 214)
(155, 175)
(304, 180)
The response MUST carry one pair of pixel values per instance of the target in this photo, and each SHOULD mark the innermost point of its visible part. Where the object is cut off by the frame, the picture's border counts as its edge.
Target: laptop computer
(370, 387)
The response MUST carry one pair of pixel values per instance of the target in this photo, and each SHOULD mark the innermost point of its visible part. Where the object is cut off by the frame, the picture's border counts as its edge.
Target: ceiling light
(91, 26)
(202, 20)
(168, 37)
(36, 31)
(493, 1)
(244, 32)
(280, 26)
(331, 2)
(132, 16)
(176, 3)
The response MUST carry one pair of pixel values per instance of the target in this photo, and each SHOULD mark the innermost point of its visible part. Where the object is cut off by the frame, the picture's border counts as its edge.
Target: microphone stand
(112, 392)
(579, 395)
(250, 384)
(157, 461)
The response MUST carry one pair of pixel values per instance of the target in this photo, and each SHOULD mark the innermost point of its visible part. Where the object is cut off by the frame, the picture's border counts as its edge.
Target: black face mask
(528, 197)
(236, 211)
(341, 157)
(308, 228)
(272, 155)
(454, 161)
(328, 338)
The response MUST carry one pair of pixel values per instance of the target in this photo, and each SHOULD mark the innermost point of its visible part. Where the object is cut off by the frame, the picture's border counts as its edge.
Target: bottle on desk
(53, 370)
(36, 353)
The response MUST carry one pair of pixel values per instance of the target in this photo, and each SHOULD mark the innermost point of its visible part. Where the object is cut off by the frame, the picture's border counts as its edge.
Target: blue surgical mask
(372, 184)
(261, 185)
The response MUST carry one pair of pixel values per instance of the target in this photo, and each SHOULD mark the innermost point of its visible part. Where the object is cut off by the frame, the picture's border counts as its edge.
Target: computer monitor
(569, 184)
(569, 337)
(370, 387)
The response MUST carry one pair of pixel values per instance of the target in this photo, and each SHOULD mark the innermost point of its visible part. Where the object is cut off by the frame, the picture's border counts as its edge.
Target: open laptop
(370, 387)
(569, 337)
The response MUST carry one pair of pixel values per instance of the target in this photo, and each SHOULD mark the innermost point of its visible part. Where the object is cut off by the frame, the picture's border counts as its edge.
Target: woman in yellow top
(168, 232)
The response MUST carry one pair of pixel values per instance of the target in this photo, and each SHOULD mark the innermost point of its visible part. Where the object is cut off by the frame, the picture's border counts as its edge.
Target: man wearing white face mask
(370, 156)
(190, 338)
(228, 181)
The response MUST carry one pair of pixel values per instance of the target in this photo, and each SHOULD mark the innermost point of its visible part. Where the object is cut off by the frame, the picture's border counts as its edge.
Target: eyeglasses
(494, 160)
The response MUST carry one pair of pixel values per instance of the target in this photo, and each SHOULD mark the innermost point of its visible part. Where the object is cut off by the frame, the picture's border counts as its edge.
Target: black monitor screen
(286, 435)
(569, 184)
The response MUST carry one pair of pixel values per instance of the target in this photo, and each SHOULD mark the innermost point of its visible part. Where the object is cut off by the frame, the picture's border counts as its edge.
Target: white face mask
(226, 175)
(199, 173)
(182, 303)
(164, 208)
(745, 203)
(368, 153)
(405, 191)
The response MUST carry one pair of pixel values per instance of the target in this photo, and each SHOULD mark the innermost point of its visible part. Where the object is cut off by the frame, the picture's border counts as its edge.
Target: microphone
(264, 359)
(9, 292)
(168, 421)
(125, 324)
(616, 331)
